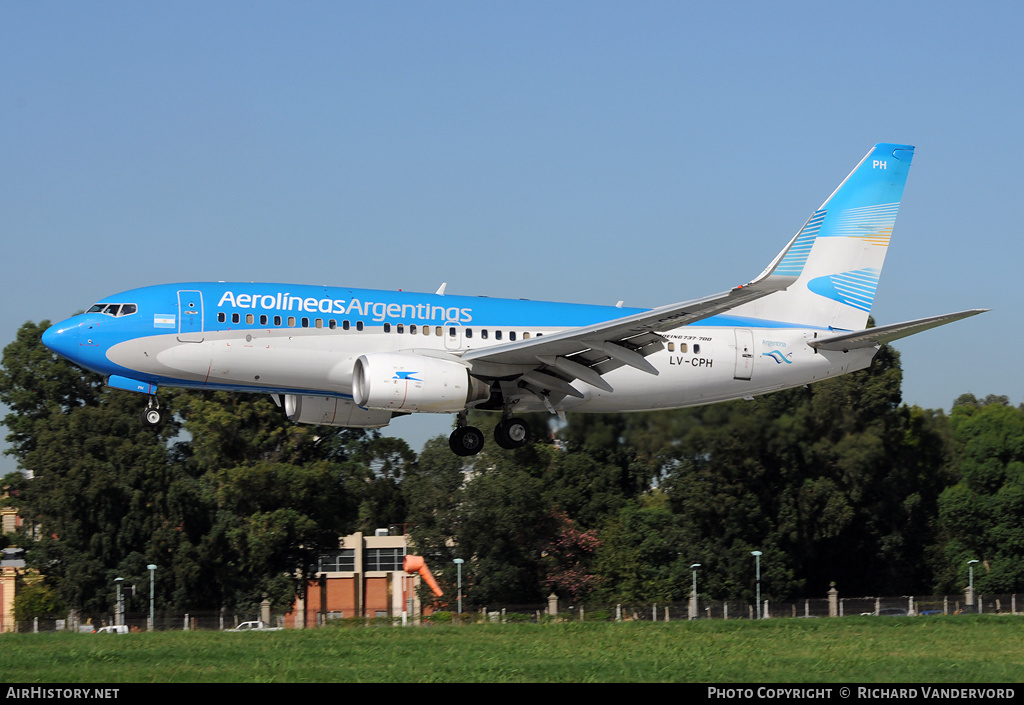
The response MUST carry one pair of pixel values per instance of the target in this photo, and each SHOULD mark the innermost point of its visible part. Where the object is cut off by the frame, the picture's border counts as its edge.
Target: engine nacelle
(408, 382)
(332, 411)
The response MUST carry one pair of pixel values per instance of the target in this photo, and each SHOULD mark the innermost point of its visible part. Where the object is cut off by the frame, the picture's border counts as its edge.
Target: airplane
(358, 357)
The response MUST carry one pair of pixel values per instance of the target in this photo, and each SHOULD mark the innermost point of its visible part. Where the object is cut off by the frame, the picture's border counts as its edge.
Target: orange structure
(416, 564)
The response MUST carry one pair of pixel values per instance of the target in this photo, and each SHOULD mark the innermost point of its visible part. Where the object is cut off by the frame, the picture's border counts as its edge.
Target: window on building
(384, 559)
(343, 560)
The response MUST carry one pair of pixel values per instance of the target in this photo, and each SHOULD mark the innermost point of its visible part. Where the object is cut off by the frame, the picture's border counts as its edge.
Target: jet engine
(407, 382)
(332, 411)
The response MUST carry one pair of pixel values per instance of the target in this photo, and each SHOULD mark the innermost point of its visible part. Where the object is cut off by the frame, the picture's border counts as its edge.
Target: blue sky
(572, 151)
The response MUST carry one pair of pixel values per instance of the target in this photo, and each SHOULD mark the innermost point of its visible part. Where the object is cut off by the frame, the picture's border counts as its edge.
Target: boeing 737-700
(357, 357)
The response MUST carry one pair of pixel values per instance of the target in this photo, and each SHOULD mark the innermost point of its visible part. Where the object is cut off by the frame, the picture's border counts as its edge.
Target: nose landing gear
(151, 416)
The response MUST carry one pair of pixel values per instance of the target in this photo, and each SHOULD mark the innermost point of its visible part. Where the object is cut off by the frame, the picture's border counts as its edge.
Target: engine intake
(408, 382)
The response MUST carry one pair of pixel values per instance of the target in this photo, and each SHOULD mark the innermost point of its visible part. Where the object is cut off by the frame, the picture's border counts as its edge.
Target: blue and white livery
(357, 357)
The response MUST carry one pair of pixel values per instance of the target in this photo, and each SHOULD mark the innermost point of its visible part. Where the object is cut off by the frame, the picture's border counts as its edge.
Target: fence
(1005, 604)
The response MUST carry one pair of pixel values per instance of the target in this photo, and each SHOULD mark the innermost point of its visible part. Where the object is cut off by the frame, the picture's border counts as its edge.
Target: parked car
(255, 626)
(114, 629)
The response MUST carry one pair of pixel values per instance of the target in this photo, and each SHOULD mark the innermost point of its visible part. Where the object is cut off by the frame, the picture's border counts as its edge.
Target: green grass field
(962, 649)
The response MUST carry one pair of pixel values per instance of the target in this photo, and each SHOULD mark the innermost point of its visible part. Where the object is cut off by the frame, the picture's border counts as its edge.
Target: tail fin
(837, 256)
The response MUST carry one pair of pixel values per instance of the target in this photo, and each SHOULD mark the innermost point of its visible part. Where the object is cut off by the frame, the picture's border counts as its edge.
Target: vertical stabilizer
(836, 258)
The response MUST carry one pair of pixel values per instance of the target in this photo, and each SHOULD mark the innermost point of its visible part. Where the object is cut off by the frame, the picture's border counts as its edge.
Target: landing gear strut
(152, 413)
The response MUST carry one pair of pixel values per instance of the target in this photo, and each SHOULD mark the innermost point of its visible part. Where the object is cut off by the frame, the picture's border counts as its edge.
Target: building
(362, 578)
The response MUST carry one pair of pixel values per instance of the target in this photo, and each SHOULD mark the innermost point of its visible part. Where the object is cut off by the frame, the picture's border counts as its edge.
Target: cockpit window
(114, 309)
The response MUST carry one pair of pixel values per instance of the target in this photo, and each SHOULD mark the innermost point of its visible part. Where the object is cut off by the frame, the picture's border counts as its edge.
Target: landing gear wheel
(512, 433)
(466, 441)
(152, 413)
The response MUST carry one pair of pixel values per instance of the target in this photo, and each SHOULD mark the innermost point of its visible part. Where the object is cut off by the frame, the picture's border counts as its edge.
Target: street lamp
(458, 566)
(693, 593)
(970, 589)
(757, 561)
(152, 577)
(118, 609)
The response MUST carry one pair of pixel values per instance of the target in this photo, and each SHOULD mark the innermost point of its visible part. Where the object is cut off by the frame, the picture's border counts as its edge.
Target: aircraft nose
(62, 339)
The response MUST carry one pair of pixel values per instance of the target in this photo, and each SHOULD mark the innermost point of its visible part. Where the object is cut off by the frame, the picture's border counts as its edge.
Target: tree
(979, 517)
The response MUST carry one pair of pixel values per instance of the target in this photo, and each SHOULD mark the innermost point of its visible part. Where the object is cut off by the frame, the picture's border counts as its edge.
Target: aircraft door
(744, 354)
(452, 337)
(190, 316)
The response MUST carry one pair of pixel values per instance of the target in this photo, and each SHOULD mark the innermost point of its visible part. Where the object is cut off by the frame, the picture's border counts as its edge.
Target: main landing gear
(152, 413)
(466, 440)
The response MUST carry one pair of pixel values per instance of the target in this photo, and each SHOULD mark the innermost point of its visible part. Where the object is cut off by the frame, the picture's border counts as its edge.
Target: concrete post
(833, 600)
(553, 605)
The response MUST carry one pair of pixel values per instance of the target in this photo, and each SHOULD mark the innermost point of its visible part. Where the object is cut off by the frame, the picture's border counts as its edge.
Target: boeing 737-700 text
(357, 357)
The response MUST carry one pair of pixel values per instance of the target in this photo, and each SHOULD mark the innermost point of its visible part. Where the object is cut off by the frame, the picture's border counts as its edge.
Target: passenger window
(497, 335)
(387, 327)
(249, 318)
(401, 328)
(291, 321)
(469, 332)
(511, 335)
(235, 318)
(221, 317)
(451, 332)
(483, 334)
(277, 320)
(263, 319)
(526, 336)
(696, 349)
(332, 324)
(305, 322)
(412, 329)
(671, 347)
(359, 325)
(426, 330)
(682, 347)
(319, 323)
(345, 325)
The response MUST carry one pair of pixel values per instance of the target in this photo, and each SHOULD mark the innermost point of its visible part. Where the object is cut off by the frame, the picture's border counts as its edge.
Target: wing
(548, 365)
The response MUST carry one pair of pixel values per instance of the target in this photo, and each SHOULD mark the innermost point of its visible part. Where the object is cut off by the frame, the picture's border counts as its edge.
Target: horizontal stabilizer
(872, 337)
